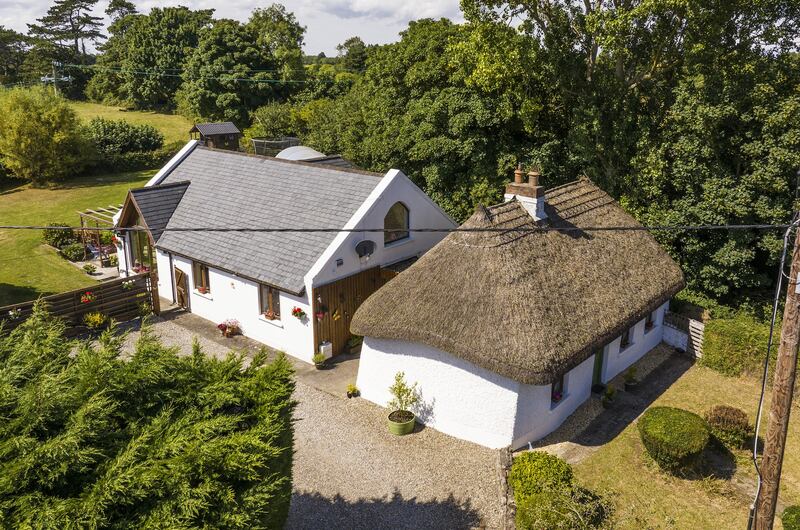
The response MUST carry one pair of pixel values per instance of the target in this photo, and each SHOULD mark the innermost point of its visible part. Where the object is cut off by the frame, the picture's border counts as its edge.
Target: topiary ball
(534, 472)
(729, 426)
(791, 518)
(674, 438)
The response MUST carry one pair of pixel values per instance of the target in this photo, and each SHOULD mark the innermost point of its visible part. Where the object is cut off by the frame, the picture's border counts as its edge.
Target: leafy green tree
(41, 139)
(280, 36)
(13, 47)
(223, 76)
(92, 440)
(353, 54)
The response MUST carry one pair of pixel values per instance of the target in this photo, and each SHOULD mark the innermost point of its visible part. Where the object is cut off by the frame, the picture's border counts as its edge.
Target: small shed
(222, 135)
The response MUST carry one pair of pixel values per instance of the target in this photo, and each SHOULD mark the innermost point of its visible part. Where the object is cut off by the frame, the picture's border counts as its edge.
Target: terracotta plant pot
(399, 425)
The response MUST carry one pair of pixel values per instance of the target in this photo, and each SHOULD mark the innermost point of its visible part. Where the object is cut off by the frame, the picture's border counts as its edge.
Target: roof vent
(530, 194)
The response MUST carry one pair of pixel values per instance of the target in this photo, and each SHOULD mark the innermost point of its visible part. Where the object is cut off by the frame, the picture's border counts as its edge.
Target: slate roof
(210, 129)
(157, 203)
(231, 189)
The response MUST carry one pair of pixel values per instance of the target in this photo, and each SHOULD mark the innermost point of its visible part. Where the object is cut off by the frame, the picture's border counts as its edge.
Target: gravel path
(349, 472)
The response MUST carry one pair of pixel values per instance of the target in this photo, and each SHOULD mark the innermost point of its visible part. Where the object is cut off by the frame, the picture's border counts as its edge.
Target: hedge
(134, 161)
(90, 439)
(535, 471)
(674, 438)
(729, 426)
(111, 137)
(736, 346)
(58, 238)
(791, 518)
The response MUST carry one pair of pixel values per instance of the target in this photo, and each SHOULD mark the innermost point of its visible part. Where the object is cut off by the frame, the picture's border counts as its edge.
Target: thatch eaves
(528, 305)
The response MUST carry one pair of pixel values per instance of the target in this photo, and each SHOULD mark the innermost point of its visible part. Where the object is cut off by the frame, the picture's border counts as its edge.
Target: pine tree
(118, 9)
(69, 23)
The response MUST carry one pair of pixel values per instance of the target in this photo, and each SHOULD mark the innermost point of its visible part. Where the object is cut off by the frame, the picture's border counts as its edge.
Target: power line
(655, 228)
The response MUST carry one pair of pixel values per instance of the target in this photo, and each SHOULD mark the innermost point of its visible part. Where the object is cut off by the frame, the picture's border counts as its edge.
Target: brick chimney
(530, 194)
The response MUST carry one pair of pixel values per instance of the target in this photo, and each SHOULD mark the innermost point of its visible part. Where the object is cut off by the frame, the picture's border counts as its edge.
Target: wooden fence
(693, 329)
(119, 299)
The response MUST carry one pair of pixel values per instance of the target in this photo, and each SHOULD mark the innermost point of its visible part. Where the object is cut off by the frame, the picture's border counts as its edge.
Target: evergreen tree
(69, 23)
(118, 9)
(353, 54)
(13, 47)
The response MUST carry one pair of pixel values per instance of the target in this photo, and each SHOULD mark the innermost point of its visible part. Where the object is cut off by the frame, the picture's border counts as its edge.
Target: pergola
(97, 218)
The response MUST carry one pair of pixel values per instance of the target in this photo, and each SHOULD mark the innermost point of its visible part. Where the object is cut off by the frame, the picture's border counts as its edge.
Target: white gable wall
(458, 398)
(423, 213)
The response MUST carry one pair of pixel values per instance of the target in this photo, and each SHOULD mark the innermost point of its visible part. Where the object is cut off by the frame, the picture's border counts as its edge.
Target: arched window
(396, 219)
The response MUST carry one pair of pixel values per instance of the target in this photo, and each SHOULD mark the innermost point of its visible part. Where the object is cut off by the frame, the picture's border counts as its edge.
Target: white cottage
(260, 278)
(507, 330)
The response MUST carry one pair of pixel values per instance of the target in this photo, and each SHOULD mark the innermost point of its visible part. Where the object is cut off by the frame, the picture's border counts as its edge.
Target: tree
(69, 23)
(222, 77)
(13, 47)
(92, 440)
(118, 9)
(353, 54)
(41, 139)
(279, 35)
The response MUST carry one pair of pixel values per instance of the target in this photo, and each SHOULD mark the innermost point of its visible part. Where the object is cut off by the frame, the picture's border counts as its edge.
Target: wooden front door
(181, 289)
(335, 304)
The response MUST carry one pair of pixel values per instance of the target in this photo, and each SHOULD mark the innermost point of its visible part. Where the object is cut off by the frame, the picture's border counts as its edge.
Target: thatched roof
(527, 305)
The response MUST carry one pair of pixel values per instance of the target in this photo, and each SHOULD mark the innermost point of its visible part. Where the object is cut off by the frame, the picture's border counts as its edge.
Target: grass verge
(174, 127)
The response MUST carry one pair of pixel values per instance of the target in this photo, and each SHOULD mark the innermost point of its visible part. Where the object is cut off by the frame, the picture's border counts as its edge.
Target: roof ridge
(163, 186)
(295, 162)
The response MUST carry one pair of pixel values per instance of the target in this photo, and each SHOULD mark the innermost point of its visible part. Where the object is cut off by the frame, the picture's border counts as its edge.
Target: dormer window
(396, 223)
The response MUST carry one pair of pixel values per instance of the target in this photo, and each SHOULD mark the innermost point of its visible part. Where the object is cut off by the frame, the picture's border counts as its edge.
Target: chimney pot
(533, 176)
(519, 175)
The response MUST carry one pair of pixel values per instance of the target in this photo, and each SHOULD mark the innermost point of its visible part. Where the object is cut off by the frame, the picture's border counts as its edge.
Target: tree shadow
(17, 294)
(313, 511)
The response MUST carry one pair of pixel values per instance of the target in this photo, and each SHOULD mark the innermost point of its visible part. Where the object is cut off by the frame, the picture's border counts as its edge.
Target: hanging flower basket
(320, 315)
(298, 313)
(87, 297)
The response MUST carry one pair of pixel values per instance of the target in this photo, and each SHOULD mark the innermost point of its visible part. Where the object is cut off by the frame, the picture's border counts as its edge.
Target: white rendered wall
(459, 398)
(235, 297)
(537, 416)
(676, 338)
(423, 213)
(642, 341)
(165, 277)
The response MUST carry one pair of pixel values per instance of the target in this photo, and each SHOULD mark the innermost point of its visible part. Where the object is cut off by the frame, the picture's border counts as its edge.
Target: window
(270, 302)
(141, 251)
(200, 274)
(650, 321)
(557, 390)
(626, 339)
(396, 219)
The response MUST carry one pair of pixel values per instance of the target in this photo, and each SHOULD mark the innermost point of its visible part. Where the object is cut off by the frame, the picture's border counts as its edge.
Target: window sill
(275, 322)
(623, 349)
(648, 330)
(398, 243)
(554, 404)
(207, 296)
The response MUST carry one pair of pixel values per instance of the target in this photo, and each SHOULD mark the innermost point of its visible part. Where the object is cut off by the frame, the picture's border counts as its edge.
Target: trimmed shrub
(562, 510)
(73, 251)
(535, 471)
(791, 518)
(135, 160)
(674, 438)
(736, 346)
(112, 137)
(729, 426)
(58, 238)
(90, 439)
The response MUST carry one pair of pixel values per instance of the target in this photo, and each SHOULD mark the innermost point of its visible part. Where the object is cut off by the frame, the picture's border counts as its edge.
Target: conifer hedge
(91, 440)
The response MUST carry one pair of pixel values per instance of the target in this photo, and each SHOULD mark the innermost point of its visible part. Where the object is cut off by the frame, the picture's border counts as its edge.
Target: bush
(58, 238)
(41, 139)
(562, 510)
(729, 426)
(791, 518)
(674, 438)
(92, 440)
(95, 320)
(89, 268)
(113, 137)
(135, 160)
(534, 471)
(736, 346)
(113, 260)
(73, 251)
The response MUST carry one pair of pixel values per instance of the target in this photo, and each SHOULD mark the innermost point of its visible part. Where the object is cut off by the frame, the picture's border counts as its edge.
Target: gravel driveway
(349, 472)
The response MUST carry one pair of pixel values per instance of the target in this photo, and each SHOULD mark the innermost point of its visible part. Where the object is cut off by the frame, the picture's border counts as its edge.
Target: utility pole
(55, 83)
(782, 391)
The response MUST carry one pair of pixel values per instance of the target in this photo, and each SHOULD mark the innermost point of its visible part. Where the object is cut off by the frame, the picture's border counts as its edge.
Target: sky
(327, 22)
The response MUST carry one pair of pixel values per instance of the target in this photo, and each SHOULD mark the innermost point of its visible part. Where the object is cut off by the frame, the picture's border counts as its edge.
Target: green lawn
(29, 268)
(175, 128)
(645, 497)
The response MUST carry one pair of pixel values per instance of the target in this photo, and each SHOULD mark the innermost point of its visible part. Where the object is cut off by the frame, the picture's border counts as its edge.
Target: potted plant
(298, 313)
(90, 269)
(354, 343)
(608, 397)
(270, 314)
(202, 289)
(404, 397)
(319, 361)
(95, 321)
(87, 297)
(630, 379)
(229, 327)
(352, 391)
